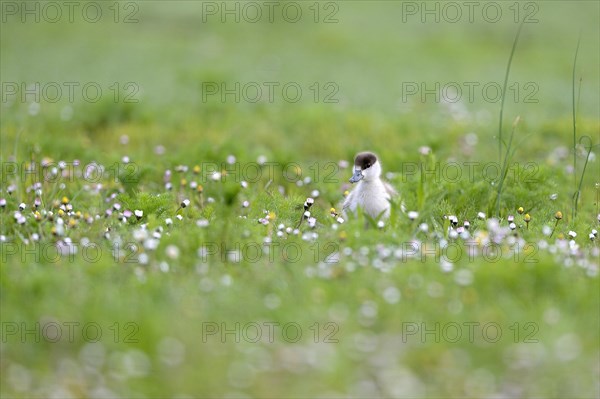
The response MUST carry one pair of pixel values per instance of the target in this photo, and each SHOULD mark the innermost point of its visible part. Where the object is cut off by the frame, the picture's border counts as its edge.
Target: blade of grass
(503, 97)
(574, 109)
(578, 188)
(504, 170)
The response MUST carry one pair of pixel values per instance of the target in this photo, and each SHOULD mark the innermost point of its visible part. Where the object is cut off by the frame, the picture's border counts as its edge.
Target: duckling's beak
(357, 176)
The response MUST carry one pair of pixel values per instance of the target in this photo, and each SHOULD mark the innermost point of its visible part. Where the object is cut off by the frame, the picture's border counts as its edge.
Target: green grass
(362, 296)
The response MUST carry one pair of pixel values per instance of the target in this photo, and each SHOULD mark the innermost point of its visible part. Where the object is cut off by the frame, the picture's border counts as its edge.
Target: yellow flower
(346, 193)
(558, 215)
(527, 218)
(297, 170)
(196, 169)
(520, 210)
(65, 200)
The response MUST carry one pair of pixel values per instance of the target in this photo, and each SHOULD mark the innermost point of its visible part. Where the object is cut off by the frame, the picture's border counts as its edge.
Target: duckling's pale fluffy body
(371, 194)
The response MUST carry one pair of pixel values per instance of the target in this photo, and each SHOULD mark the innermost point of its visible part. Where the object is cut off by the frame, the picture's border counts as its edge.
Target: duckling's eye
(368, 165)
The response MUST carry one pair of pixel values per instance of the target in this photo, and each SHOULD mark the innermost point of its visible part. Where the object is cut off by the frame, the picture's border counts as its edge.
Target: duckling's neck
(371, 181)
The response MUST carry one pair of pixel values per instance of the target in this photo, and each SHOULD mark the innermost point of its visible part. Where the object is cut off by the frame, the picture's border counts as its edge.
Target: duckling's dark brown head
(366, 167)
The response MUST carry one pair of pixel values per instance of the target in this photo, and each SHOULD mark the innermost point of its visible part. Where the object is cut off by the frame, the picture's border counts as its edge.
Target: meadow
(156, 162)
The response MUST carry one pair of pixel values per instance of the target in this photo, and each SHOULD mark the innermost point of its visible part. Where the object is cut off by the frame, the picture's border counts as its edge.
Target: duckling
(371, 193)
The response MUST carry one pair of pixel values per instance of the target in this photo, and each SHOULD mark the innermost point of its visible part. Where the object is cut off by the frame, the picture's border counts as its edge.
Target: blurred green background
(370, 53)
(363, 55)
